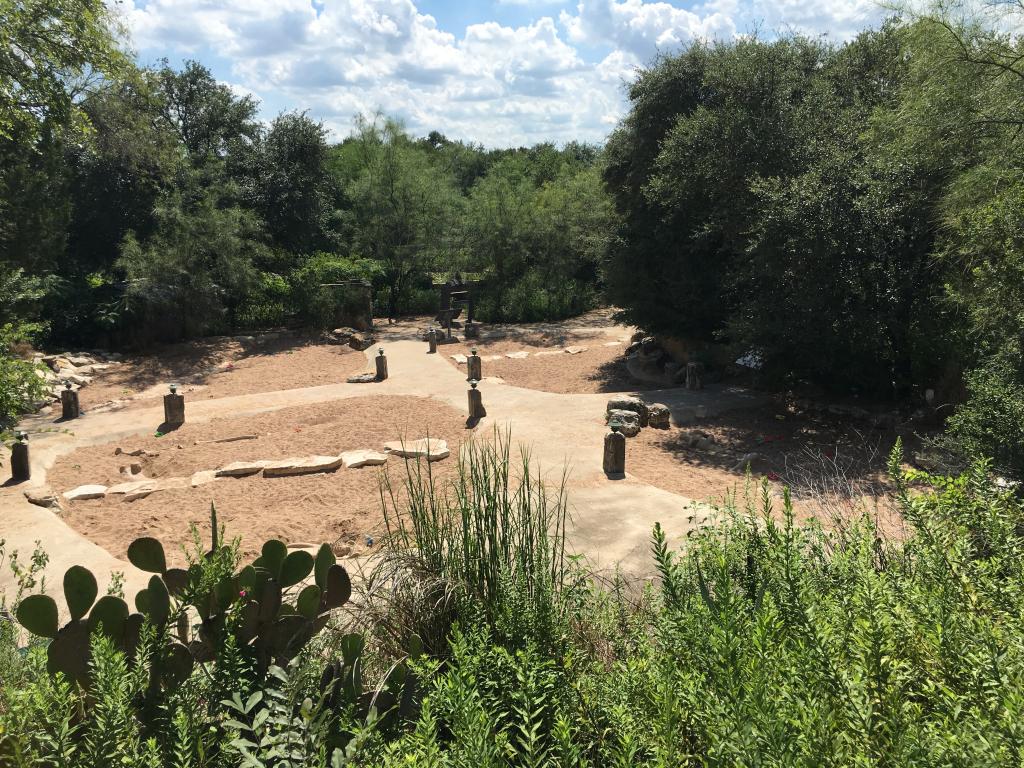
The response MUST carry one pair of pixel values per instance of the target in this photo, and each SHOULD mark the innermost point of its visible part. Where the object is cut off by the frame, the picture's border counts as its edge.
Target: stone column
(476, 402)
(615, 452)
(69, 402)
(432, 342)
(174, 408)
(693, 371)
(382, 364)
(474, 367)
(21, 468)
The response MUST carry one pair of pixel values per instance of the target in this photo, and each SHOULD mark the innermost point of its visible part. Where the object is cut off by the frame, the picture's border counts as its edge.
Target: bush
(266, 305)
(329, 307)
(20, 385)
(991, 421)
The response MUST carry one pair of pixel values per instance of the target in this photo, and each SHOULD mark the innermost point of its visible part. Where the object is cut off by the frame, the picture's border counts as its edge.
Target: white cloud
(502, 85)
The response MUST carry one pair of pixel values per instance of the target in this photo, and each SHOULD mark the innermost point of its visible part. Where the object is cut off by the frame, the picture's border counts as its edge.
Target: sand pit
(832, 468)
(598, 368)
(342, 507)
(223, 367)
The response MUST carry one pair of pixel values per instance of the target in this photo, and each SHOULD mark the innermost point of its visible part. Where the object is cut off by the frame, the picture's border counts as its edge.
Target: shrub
(329, 307)
(20, 384)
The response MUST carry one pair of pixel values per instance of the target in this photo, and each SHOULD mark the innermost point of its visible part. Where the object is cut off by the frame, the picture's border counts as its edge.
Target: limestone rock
(363, 458)
(628, 403)
(517, 355)
(43, 497)
(575, 350)
(203, 477)
(629, 421)
(362, 378)
(133, 452)
(658, 416)
(460, 359)
(360, 341)
(431, 448)
(83, 492)
(338, 335)
(81, 360)
(241, 468)
(306, 465)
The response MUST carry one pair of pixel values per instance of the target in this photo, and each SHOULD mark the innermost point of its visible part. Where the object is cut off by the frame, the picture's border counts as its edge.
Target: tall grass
(494, 535)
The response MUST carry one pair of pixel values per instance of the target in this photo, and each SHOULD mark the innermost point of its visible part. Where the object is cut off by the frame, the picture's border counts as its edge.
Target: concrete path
(612, 519)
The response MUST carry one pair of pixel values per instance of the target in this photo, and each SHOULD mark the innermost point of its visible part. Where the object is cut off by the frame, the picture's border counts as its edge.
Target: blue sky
(501, 73)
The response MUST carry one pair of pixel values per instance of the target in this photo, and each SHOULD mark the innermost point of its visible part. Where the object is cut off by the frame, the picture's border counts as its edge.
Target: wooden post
(69, 403)
(693, 371)
(432, 342)
(21, 467)
(382, 364)
(476, 402)
(174, 408)
(474, 368)
(615, 452)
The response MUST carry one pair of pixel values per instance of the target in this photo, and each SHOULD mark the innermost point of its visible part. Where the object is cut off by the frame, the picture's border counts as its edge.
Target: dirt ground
(833, 469)
(341, 508)
(222, 367)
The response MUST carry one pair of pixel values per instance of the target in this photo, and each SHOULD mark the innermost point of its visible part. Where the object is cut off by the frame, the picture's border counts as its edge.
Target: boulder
(431, 448)
(307, 465)
(362, 378)
(627, 403)
(658, 416)
(338, 335)
(360, 341)
(629, 421)
(43, 497)
(632, 349)
(364, 457)
(80, 360)
(83, 492)
(241, 468)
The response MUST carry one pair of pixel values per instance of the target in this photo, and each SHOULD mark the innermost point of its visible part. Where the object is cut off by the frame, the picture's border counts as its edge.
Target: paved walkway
(612, 519)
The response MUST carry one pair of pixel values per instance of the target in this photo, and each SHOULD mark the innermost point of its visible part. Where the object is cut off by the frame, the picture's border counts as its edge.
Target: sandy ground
(831, 467)
(222, 367)
(343, 507)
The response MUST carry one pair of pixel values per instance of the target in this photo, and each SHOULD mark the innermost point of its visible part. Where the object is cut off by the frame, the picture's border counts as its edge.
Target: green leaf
(274, 554)
(297, 566)
(308, 603)
(324, 560)
(109, 614)
(147, 554)
(159, 600)
(339, 587)
(80, 590)
(38, 614)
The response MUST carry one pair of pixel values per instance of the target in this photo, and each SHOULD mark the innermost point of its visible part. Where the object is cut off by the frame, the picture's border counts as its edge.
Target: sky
(500, 73)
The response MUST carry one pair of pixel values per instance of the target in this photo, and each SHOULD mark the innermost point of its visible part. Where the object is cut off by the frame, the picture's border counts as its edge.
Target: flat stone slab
(431, 448)
(460, 359)
(43, 497)
(575, 350)
(133, 486)
(307, 465)
(517, 355)
(204, 477)
(362, 378)
(363, 458)
(83, 492)
(241, 468)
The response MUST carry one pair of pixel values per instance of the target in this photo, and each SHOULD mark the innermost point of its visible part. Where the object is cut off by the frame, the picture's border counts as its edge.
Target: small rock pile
(75, 367)
(358, 340)
(633, 414)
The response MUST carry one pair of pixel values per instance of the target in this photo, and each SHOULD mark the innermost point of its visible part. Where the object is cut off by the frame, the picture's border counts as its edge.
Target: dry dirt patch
(223, 367)
(343, 506)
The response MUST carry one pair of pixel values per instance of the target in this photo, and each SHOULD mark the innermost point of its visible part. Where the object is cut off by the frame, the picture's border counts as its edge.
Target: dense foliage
(767, 643)
(849, 212)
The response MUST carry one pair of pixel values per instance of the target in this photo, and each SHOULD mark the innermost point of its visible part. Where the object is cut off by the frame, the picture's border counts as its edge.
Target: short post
(615, 451)
(432, 342)
(471, 330)
(174, 408)
(474, 367)
(693, 371)
(382, 364)
(69, 402)
(476, 401)
(21, 468)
